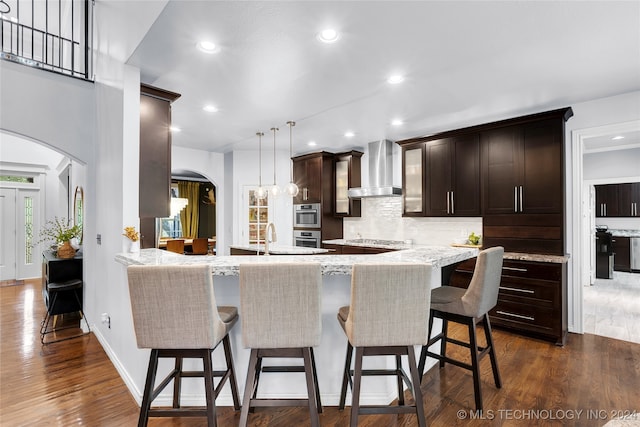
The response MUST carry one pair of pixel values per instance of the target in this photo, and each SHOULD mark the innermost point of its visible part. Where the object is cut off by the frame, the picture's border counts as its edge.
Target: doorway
(198, 218)
(598, 305)
(20, 217)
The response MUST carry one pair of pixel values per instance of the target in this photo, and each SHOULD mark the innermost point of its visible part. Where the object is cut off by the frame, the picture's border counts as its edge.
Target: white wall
(17, 149)
(613, 166)
(243, 171)
(31, 105)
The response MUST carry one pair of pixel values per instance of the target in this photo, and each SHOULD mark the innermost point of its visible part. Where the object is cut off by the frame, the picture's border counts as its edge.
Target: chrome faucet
(274, 238)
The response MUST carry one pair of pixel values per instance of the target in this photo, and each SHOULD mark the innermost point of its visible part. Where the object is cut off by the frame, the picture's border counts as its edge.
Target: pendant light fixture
(291, 188)
(261, 192)
(274, 190)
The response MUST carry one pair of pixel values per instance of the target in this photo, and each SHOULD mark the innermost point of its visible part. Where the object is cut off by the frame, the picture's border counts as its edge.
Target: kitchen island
(336, 271)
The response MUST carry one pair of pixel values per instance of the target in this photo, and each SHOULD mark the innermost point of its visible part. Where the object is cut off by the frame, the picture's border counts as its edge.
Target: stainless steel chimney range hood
(380, 173)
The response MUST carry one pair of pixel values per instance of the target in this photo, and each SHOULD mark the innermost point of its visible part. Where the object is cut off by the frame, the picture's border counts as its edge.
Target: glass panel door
(257, 217)
(342, 183)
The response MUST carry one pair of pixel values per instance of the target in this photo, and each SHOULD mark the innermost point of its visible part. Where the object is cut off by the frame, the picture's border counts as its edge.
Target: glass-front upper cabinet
(347, 169)
(342, 182)
(413, 158)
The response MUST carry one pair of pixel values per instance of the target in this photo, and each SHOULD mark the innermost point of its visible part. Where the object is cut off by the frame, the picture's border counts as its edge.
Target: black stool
(63, 299)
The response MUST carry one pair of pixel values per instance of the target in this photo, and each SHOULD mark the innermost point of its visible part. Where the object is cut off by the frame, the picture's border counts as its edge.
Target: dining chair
(175, 245)
(199, 246)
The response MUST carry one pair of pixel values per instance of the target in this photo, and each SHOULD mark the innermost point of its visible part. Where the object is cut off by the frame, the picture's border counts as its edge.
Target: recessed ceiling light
(395, 79)
(207, 46)
(174, 129)
(210, 108)
(328, 36)
(349, 134)
(311, 143)
(397, 122)
(615, 138)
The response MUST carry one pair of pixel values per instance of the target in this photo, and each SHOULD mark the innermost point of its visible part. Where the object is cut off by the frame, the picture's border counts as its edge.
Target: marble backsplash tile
(382, 219)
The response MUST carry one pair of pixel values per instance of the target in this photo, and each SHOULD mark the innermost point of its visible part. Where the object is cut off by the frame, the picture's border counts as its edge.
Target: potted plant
(134, 236)
(60, 231)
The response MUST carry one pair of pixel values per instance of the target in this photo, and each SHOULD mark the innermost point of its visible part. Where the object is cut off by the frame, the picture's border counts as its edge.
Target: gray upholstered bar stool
(469, 307)
(175, 315)
(387, 317)
(280, 306)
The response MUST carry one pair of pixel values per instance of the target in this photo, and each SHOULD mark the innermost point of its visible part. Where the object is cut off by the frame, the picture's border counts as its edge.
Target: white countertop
(624, 233)
(399, 245)
(282, 249)
(437, 256)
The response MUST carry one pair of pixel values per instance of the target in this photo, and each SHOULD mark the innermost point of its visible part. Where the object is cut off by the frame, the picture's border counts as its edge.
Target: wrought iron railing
(54, 35)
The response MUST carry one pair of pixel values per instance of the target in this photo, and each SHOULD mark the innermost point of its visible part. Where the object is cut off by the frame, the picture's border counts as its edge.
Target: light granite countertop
(400, 245)
(437, 256)
(624, 233)
(282, 249)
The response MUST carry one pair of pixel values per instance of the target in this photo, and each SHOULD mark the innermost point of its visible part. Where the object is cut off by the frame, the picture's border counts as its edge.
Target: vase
(66, 251)
(134, 247)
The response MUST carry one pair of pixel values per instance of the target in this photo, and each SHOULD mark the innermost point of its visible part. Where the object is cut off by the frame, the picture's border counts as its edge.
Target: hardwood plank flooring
(73, 383)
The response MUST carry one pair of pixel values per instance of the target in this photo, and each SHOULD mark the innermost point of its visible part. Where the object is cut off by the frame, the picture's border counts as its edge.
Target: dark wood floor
(73, 383)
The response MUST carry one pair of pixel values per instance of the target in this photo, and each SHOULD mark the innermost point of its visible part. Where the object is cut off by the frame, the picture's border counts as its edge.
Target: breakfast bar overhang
(131, 362)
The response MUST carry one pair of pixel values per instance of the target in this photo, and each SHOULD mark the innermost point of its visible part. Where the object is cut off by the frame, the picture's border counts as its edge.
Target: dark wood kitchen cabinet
(621, 253)
(523, 168)
(532, 299)
(618, 200)
(523, 183)
(606, 200)
(309, 171)
(453, 176)
(348, 175)
(314, 174)
(155, 159)
(629, 199)
(521, 179)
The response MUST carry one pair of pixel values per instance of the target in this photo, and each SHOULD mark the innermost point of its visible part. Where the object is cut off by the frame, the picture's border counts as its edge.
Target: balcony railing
(53, 35)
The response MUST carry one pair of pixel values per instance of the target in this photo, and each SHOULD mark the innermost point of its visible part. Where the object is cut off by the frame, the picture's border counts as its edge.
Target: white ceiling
(465, 63)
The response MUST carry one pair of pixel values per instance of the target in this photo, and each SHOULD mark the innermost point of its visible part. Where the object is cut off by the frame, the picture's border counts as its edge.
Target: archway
(199, 217)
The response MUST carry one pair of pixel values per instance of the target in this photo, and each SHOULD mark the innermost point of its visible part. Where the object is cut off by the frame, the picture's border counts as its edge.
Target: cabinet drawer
(523, 316)
(529, 291)
(533, 270)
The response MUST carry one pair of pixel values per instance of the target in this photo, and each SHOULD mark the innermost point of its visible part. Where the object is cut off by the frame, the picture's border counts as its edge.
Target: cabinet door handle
(448, 201)
(519, 316)
(605, 209)
(521, 198)
(515, 269)
(305, 194)
(515, 199)
(453, 209)
(525, 291)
